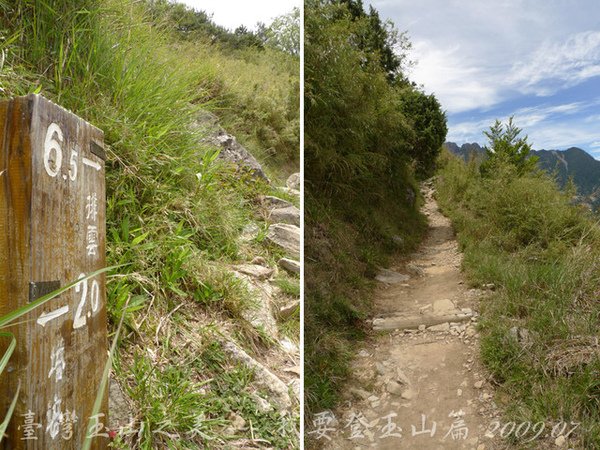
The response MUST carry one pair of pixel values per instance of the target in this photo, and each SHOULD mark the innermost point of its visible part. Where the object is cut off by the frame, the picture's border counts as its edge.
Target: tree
(429, 124)
(379, 40)
(506, 145)
(283, 33)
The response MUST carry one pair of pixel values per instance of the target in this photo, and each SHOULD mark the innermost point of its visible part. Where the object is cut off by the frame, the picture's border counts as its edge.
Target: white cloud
(558, 65)
(458, 87)
(474, 54)
(233, 13)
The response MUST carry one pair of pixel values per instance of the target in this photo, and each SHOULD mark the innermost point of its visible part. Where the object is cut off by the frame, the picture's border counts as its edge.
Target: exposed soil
(406, 380)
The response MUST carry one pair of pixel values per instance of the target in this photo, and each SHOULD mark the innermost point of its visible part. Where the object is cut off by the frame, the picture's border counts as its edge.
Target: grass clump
(540, 327)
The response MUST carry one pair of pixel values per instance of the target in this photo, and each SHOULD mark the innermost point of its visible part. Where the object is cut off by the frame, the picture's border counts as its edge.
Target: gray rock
(402, 378)
(295, 385)
(260, 261)
(391, 277)
(415, 270)
(441, 327)
(293, 181)
(360, 393)
(260, 314)
(287, 190)
(398, 240)
(289, 214)
(285, 236)
(233, 152)
(237, 422)
(289, 346)
(120, 411)
(271, 202)
(394, 388)
(254, 270)
(289, 264)
(521, 335)
(249, 232)
(261, 404)
(287, 310)
(443, 306)
(263, 376)
(408, 394)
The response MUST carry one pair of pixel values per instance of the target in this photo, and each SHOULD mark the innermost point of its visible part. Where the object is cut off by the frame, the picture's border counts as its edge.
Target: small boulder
(415, 270)
(289, 264)
(293, 181)
(287, 190)
(287, 310)
(441, 327)
(408, 394)
(233, 152)
(254, 270)
(270, 202)
(259, 314)
(249, 232)
(402, 378)
(443, 306)
(394, 388)
(289, 214)
(260, 261)
(120, 411)
(360, 393)
(391, 277)
(285, 236)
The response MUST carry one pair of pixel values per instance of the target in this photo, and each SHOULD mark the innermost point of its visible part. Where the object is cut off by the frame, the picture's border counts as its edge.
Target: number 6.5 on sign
(53, 155)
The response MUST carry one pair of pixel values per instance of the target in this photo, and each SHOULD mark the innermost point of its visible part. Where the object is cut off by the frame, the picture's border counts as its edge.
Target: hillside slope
(208, 356)
(540, 255)
(572, 163)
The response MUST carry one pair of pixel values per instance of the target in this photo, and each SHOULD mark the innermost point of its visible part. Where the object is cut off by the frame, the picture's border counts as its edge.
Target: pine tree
(506, 145)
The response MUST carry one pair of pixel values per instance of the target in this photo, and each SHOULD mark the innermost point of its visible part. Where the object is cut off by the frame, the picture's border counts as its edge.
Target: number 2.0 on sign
(53, 163)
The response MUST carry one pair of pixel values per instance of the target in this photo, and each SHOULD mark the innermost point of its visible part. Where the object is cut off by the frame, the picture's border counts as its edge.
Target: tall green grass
(364, 130)
(174, 212)
(543, 254)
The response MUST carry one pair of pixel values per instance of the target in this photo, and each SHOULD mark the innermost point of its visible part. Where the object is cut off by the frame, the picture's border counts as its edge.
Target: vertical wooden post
(52, 232)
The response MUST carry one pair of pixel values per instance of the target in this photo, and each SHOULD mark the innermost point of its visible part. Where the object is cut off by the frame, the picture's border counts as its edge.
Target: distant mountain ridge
(573, 162)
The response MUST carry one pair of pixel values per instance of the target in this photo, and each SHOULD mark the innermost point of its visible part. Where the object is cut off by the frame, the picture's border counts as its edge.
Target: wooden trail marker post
(52, 232)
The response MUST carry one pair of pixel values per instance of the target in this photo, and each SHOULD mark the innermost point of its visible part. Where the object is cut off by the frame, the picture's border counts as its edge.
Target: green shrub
(521, 233)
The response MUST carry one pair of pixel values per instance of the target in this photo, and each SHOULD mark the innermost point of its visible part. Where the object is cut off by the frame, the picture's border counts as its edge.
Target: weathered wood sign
(52, 232)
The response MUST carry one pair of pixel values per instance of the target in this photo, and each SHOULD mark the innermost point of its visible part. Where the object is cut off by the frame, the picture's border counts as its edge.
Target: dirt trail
(412, 378)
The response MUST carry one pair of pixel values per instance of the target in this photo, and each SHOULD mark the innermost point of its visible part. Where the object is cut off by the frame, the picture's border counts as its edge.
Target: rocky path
(417, 383)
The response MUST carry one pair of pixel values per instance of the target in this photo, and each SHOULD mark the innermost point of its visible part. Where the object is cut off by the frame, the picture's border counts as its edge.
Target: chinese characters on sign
(55, 161)
(357, 427)
(386, 427)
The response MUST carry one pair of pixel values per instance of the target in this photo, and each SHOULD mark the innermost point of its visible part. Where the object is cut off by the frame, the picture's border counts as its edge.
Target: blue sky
(538, 60)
